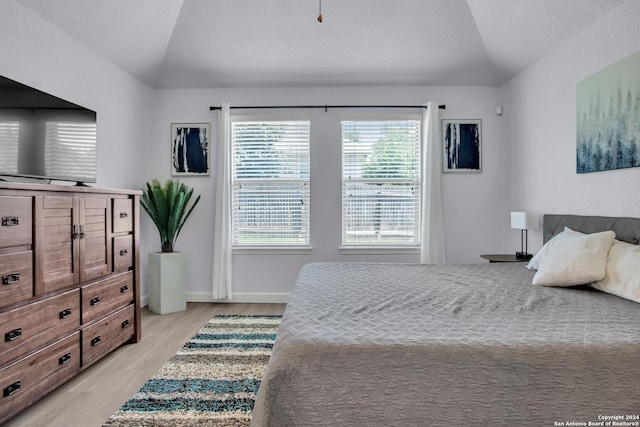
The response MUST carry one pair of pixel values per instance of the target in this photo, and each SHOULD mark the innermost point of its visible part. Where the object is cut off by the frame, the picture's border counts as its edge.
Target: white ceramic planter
(167, 282)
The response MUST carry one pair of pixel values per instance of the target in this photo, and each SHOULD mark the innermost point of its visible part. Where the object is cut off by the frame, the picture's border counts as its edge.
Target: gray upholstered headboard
(626, 229)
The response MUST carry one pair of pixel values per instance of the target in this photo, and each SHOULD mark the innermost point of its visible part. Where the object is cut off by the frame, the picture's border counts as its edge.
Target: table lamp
(524, 221)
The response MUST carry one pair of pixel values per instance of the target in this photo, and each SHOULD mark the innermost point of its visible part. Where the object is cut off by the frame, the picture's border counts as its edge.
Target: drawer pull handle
(65, 313)
(64, 359)
(95, 341)
(95, 300)
(123, 252)
(13, 335)
(124, 289)
(125, 324)
(124, 215)
(9, 221)
(10, 279)
(11, 389)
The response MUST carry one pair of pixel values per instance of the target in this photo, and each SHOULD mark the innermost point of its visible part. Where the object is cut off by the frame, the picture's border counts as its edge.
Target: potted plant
(168, 207)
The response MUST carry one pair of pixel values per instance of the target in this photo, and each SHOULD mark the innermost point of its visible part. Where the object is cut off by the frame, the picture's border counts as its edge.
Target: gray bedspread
(370, 344)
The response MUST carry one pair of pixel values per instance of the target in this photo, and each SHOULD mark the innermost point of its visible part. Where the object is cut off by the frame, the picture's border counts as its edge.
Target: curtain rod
(326, 107)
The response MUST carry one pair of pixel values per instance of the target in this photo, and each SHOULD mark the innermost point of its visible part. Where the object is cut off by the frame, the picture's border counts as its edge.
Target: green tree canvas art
(608, 118)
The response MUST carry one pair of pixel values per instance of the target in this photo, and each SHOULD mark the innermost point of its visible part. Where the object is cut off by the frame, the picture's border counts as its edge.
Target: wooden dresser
(70, 284)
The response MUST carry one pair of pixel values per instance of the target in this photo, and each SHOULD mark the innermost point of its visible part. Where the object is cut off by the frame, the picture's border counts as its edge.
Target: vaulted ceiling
(273, 43)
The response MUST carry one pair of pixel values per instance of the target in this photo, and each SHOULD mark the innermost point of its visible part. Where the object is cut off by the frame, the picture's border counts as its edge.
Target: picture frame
(607, 116)
(461, 145)
(190, 149)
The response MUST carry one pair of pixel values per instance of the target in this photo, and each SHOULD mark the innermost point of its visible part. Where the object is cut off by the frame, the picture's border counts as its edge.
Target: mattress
(399, 344)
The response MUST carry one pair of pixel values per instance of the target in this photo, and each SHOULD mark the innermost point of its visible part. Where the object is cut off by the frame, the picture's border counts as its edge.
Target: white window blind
(381, 183)
(9, 138)
(270, 179)
(70, 149)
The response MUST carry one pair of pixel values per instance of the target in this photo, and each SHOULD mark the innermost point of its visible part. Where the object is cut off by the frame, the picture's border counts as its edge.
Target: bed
(374, 344)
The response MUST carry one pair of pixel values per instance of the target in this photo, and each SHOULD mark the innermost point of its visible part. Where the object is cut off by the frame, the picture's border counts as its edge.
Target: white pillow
(534, 263)
(575, 259)
(622, 277)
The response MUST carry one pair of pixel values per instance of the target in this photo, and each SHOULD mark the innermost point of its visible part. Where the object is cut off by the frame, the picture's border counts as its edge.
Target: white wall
(475, 204)
(528, 153)
(540, 110)
(134, 137)
(36, 53)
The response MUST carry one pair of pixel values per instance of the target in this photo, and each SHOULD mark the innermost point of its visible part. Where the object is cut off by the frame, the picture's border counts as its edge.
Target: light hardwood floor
(91, 397)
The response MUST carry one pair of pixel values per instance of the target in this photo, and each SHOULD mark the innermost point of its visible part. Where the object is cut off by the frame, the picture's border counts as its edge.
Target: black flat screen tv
(45, 137)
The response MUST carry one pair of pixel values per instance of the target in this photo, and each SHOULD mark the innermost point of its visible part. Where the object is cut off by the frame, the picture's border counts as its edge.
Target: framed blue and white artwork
(461, 145)
(190, 148)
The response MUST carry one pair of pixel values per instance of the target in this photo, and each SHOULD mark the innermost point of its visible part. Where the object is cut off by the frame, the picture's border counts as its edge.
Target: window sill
(272, 250)
(382, 250)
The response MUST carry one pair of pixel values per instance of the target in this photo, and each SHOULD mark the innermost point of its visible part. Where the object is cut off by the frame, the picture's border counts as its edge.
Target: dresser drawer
(24, 329)
(16, 275)
(27, 379)
(105, 296)
(107, 334)
(122, 253)
(16, 214)
(122, 215)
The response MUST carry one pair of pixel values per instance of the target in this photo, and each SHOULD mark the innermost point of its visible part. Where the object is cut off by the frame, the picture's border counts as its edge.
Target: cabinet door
(28, 379)
(95, 248)
(105, 296)
(59, 242)
(29, 327)
(110, 332)
(122, 215)
(16, 221)
(16, 269)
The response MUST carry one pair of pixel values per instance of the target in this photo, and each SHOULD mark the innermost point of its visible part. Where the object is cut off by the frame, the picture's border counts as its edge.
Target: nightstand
(504, 258)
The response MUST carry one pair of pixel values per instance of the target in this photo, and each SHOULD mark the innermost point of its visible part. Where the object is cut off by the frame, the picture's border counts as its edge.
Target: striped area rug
(211, 381)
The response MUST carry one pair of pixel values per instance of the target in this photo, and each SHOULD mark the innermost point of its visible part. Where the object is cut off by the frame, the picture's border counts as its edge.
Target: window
(270, 179)
(381, 183)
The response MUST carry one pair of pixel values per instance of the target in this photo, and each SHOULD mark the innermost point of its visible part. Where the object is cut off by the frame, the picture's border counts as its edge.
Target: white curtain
(432, 225)
(222, 244)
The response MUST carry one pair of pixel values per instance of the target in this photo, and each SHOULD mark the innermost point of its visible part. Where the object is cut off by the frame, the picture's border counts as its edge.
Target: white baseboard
(238, 297)
(243, 297)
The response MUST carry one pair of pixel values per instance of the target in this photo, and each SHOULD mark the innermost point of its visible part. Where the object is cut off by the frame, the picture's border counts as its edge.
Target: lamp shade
(524, 220)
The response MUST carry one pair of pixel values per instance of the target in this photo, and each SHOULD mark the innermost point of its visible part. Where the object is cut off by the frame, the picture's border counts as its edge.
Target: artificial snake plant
(168, 208)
